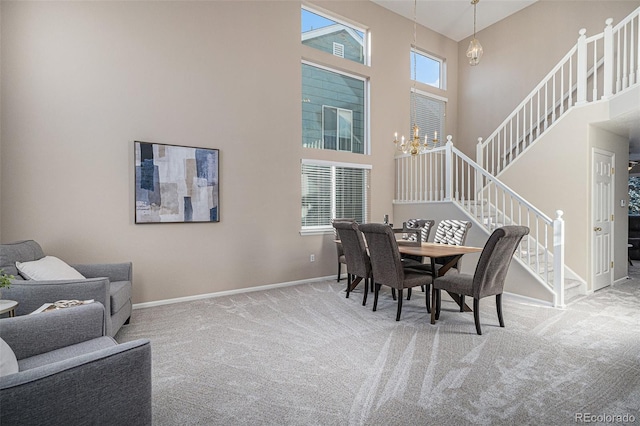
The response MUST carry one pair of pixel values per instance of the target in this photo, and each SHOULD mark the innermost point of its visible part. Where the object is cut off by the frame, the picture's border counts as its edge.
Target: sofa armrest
(31, 294)
(65, 392)
(113, 271)
(30, 335)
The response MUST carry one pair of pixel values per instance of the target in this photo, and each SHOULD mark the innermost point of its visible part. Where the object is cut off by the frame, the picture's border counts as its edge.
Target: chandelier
(474, 52)
(414, 146)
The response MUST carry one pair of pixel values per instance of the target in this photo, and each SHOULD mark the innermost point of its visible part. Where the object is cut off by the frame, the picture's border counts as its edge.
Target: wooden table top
(437, 250)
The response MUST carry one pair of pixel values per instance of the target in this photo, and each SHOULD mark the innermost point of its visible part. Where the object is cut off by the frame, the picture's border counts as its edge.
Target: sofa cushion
(48, 268)
(120, 294)
(66, 352)
(8, 361)
(20, 251)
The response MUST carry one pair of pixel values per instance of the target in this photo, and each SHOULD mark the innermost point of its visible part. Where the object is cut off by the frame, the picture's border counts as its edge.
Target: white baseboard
(621, 280)
(527, 300)
(226, 293)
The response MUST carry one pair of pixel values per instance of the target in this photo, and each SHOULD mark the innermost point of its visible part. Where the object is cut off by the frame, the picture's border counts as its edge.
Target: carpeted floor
(306, 355)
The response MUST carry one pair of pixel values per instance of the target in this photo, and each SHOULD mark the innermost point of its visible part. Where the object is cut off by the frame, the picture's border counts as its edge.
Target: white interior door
(602, 242)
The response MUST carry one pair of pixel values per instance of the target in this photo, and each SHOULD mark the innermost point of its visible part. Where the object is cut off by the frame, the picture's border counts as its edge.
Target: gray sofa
(70, 373)
(109, 284)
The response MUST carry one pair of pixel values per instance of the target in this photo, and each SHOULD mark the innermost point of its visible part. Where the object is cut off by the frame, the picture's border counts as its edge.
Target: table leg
(355, 283)
(433, 291)
(443, 270)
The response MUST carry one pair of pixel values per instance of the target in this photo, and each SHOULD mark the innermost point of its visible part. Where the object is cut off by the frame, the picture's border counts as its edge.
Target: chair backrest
(424, 225)
(355, 249)
(20, 251)
(495, 260)
(386, 264)
(452, 231)
(339, 245)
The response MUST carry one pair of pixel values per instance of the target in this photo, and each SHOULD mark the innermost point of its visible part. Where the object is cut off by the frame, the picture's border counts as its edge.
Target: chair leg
(375, 297)
(339, 270)
(476, 315)
(366, 287)
(437, 302)
(393, 293)
(422, 287)
(428, 302)
(462, 303)
(399, 304)
(349, 278)
(409, 293)
(499, 306)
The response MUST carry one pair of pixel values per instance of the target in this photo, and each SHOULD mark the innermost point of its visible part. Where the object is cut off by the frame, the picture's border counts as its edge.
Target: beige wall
(82, 80)
(555, 174)
(518, 53)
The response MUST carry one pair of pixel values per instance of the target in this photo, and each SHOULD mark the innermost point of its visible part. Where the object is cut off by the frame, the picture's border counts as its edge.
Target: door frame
(611, 155)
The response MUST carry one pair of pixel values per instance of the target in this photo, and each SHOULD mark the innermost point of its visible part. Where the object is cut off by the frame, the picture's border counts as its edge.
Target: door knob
(597, 229)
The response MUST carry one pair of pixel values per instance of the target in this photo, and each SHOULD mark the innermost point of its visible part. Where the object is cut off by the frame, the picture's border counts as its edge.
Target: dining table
(452, 254)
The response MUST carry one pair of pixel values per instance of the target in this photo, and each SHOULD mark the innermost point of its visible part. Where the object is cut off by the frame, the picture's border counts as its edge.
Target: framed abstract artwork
(176, 184)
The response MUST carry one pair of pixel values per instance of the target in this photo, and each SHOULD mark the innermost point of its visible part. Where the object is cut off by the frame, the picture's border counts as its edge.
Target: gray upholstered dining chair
(386, 264)
(424, 226)
(491, 271)
(449, 231)
(340, 251)
(355, 252)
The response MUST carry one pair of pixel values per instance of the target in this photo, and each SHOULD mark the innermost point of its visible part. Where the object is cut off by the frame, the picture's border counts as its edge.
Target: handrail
(616, 50)
(501, 185)
(532, 94)
(459, 179)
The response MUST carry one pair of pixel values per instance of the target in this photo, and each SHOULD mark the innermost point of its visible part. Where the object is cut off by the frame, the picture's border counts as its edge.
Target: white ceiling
(454, 18)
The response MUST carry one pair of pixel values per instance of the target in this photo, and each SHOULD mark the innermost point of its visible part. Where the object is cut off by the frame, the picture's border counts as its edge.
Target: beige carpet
(306, 355)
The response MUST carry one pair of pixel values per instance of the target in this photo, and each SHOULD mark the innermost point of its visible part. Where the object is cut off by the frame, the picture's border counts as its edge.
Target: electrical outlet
(312, 258)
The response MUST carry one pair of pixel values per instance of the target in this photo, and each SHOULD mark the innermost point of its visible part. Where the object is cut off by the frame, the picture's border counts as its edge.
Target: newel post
(448, 164)
(608, 59)
(479, 153)
(558, 259)
(581, 65)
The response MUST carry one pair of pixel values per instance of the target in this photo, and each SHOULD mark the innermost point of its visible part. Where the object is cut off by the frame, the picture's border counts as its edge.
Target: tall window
(330, 35)
(333, 110)
(331, 190)
(430, 115)
(427, 69)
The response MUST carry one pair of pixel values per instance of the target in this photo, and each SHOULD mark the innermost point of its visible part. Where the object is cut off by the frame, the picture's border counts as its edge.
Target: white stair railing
(575, 80)
(457, 177)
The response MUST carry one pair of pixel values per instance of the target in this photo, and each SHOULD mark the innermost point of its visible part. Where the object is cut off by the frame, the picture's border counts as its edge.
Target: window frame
(328, 229)
(366, 36)
(441, 68)
(366, 106)
(441, 131)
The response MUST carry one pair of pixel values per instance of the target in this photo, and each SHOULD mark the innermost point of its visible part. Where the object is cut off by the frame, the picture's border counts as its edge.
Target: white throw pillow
(8, 361)
(48, 268)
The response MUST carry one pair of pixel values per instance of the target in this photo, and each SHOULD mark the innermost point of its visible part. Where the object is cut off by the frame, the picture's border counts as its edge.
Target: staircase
(596, 68)
(607, 64)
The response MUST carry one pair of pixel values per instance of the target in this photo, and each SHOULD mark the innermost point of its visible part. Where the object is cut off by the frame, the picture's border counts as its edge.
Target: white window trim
(367, 100)
(441, 61)
(441, 138)
(328, 229)
(366, 39)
